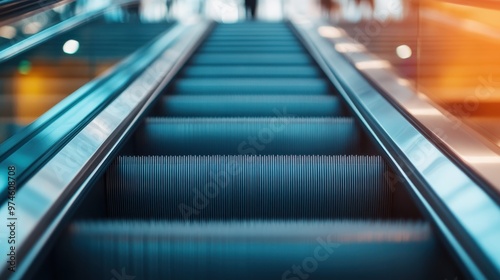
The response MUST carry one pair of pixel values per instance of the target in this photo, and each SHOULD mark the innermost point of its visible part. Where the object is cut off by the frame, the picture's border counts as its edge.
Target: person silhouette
(326, 7)
(251, 9)
(169, 4)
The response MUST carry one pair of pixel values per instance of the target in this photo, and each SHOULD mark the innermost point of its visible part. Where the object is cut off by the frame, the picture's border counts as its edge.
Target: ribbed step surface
(268, 33)
(249, 106)
(251, 59)
(233, 29)
(251, 71)
(281, 135)
(250, 38)
(237, 86)
(248, 187)
(250, 49)
(256, 250)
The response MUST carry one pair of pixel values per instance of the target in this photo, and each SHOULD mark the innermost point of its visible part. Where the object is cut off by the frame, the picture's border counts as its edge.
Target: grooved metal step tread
(253, 44)
(251, 59)
(250, 106)
(245, 37)
(249, 49)
(282, 135)
(238, 71)
(258, 86)
(248, 187)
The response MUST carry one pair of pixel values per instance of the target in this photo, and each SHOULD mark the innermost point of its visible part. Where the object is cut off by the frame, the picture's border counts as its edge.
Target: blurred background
(447, 50)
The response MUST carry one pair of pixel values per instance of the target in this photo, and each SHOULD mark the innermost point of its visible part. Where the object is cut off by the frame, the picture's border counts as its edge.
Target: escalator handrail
(59, 182)
(467, 217)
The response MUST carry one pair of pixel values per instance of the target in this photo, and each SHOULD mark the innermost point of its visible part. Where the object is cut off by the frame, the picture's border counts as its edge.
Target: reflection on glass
(445, 49)
(71, 46)
(459, 61)
(8, 32)
(24, 67)
(35, 81)
(373, 64)
(26, 27)
(404, 51)
(349, 47)
(330, 32)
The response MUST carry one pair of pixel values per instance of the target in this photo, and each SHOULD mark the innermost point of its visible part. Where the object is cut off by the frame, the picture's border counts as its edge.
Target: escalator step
(250, 49)
(256, 31)
(253, 24)
(252, 28)
(249, 39)
(280, 135)
(250, 106)
(248, 187)
(257, 86)
(245, 37)
(251, 59)
(250, 250)
(252, 44)
(269, 34)
(251, 71)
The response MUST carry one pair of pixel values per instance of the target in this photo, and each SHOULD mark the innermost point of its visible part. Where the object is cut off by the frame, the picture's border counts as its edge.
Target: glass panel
(459, 61)
(33, 82)
(445, 49)
(15, 32)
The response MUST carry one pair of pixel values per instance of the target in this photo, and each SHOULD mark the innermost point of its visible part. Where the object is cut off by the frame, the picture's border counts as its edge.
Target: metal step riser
(250, 72)
(251, 59)
(246, 187)
(249, 86)
(262, 136)
(250, 106)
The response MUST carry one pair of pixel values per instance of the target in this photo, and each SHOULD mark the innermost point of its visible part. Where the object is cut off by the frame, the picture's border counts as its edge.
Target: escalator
(249, 166)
